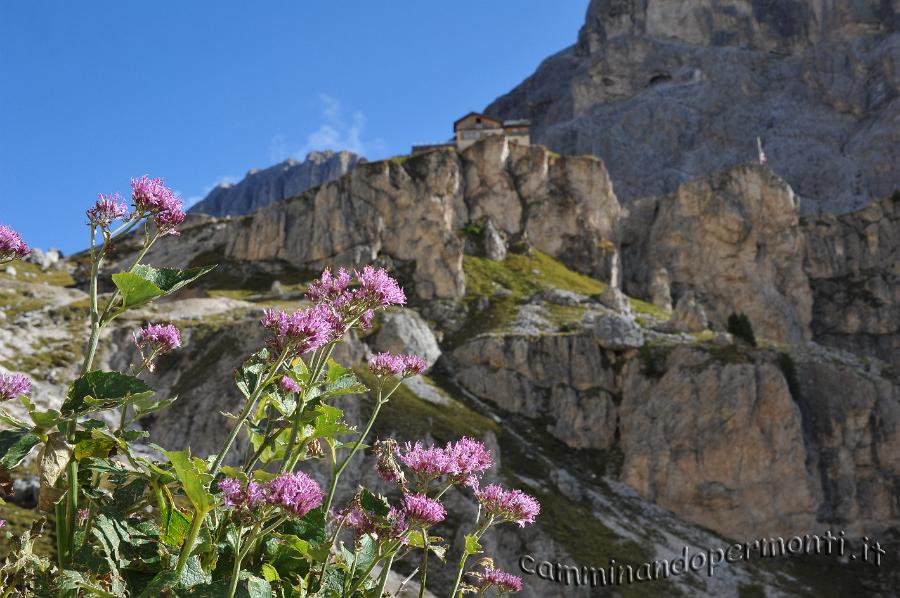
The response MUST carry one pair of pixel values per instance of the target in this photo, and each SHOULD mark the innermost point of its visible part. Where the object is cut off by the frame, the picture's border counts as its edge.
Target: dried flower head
(386, 464)
(12, 247)
(508, 505)
(13, 385)
(107, 209)
(421, 511)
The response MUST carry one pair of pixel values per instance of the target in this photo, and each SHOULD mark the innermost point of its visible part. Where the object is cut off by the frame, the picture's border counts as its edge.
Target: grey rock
(689, 315)
(494, 243)
(277, 289)
(287, 179)
(11, 270)
(44, 259)
(688, 86)
(617, 333)
(559, 297)
(615, 299)
(404, 331)
(660, 290)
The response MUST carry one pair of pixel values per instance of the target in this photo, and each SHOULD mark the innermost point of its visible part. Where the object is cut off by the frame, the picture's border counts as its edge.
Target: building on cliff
(475, 126)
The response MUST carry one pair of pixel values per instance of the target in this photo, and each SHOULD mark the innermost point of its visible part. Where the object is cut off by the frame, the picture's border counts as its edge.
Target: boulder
(615, 299)
(404, 331)
(617, 333)
(689, 315)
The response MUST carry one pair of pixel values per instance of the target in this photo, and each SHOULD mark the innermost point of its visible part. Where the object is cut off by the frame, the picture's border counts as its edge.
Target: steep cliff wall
(665, 92)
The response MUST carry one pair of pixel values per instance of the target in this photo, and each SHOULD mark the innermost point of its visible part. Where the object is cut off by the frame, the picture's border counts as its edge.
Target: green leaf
(193, 574)
(45, 419)
(366, 553)
(93, 447)
(150, 405)
(310, 528)
(472, 545)
(194, 479)
(164, 580)
(145, 283)
(347, 384)
(258, 588)
(375, 503)
(15, 445)
(269, 572)
(100, 390)
(9, 420)
(174, 526)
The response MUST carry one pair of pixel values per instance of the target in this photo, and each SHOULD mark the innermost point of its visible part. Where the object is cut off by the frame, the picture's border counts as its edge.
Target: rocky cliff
(289, 178)
(684, 89)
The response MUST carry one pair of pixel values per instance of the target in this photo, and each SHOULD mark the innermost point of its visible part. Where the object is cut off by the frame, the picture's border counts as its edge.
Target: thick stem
(382, 581)
(188, 546)
(292, 452)
(424, 577)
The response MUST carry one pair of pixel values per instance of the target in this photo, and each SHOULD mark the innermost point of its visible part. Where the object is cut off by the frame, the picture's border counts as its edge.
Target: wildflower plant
(259, 524)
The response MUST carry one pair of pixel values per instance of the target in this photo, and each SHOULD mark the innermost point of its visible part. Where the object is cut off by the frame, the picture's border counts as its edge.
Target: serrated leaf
(194, 479)
(163, 580)
(93, 447)
(15, 445)
(193, 574)
(472, 545)
(375, 503)
(98, 390)
(269, 572)
(348, 384)
(145, 283)
(147, 405)
(310, 528)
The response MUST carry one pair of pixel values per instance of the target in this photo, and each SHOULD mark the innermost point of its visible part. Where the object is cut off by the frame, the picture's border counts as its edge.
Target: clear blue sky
(92, 93)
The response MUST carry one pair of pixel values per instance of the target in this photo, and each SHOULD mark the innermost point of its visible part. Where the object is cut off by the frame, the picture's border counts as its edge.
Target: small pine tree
(739, 325)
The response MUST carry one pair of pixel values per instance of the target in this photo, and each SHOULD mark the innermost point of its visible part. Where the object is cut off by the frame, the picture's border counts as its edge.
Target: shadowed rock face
(289, 178)
(681, 89)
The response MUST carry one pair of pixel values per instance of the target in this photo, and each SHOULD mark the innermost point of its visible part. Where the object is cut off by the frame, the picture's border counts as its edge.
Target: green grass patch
(14, 303)
(28, 272)
(409, 417)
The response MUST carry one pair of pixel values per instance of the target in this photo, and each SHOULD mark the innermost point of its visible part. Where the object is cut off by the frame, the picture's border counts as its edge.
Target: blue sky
(94, 93)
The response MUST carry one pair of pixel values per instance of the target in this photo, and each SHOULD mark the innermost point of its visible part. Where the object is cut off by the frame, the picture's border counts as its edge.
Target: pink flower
(242, 498)
(386, 364)
(462, 461)
(287, 384)
(152, 195)
(12, 246)
(161, 338)
(505, 583)
(2, 522)
(296, 493)
(392, 525)
(83, 515)
(297, 333)
(329, 288)
(508, 505)
(421, 511)
(377, 289)
(107, 209)
(13, 385)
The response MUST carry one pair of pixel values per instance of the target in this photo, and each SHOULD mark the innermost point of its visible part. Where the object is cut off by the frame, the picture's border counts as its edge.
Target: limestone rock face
(689, 315)
(404, 331)
(718, 444)
(714, 439)
(853, 262)
(410, 212)
(287, 179)
(688, 86)
(734, 239)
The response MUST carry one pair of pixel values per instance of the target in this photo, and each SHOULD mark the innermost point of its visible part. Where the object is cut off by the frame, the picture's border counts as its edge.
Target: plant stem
(196, 524)
(382, 581)
(236, 568)
(251, 403)
(424, 563)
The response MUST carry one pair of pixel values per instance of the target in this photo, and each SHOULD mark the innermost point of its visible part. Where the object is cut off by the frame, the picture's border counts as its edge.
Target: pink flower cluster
(374, 289)
(295, 493)
(299, 332)
(12, 247)
(505, 583)
(421, 511)
(13, 385)
(152, 195)
(386, 364)
(288, 385)
(462, 461)
(107, 209)
(508, 505)
(161, 338)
